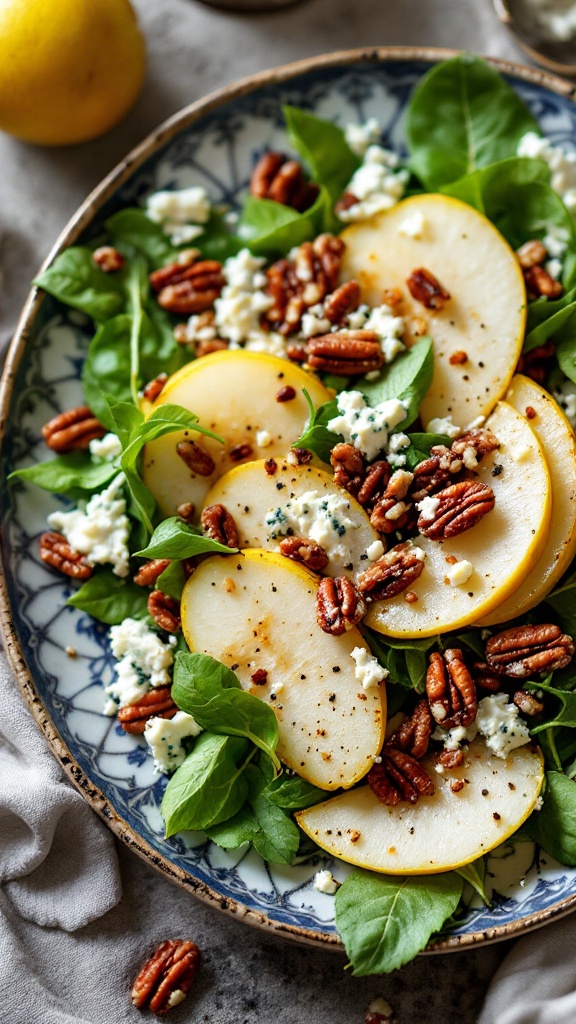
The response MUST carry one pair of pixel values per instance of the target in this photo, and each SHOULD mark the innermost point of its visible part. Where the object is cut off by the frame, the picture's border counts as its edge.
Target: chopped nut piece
(540, 282)
(167, 974)
(150, 571)
(270, 467)
(532, 254)
(154, 387)
(240, 451)
(458, 358)
(426, 288)
(259, 677)
(307, 552)
(186, 510)
(108, 259)
(527, 703)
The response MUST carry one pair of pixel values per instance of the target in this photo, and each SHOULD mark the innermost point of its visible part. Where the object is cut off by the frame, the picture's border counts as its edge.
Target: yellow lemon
(69, 69)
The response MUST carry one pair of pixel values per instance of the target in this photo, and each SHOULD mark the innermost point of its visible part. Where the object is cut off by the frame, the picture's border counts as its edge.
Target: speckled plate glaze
(214, 143)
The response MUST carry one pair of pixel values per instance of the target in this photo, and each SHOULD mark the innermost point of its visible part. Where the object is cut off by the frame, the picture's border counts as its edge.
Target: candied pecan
(458, 358)
(259, 677)
(346, 353)
(338, 605)
(209, 345)
(157, 703)
(295, 285)
(451, 758)
(462, 505)
(399, 777)
(279, 178)
(414, 734)
(108, 259)
(426, 288)
(481, 441)
(301, 456)
(270, 467)
(539, 282)
(188, 287)
(155, 387)
(173, 273)
(450, 689)
(72, 430)
(150, 571)
(526, 650)
(165, 611)
(527, 703)
(166, 977)
(392, 573)
(538, 363)
(305, 551)
(186, 511)
(286, 394)
(240, 451)
(218, 523)
(348, 465)
(375, 483)
(532, 254)
(346, 200)
(56, 552)
(390, 512)
(196, 457)
(343, 301)
(431, 475)
(485, 678)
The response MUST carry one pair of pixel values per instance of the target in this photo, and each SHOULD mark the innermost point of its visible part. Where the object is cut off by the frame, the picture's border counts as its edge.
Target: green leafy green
(384, 921)
(173, 538)
(172, 580)
(75, 279)
(462, 115)
(110, 599)
(316, 437)
(73, 475)
(323, 147)
(563, 601)
(407, 378)
(272, 228)
(209, 786)
(260, 822)
(293, 793)
(566, 349)
(546, 317)
(132, 231)
(474, 874)
(554, 826)
(487, 188)
(566, 716)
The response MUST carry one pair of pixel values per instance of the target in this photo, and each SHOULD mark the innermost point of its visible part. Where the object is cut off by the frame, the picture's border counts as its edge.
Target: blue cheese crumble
(378, 184)
(143, 661)
(366, 428)
(324, 881)
(561, 163)
(164, 737)
(501, 725)
(360, 136)
(100, 529)
(241, 304)
(369, 672)
(106, 448)
(181, 212)
(322, 518)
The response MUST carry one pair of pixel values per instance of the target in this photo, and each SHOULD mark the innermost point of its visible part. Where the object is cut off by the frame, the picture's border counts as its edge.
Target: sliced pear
(256, 611)
(502, 547)
(252, 495)
(233, 394)
(440, 832)
(556, 436)
(485, 316)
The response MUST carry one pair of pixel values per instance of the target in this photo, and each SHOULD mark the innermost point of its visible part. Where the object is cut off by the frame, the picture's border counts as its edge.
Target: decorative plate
(214, 143)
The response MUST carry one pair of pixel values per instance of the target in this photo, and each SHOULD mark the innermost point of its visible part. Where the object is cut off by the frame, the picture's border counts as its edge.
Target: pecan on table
(196, 457)
(188, 286)
(295, 285)
(346, 353)
(349, 469)
(426, 288)
(166, 977)
(392, 573)
(399, 777)
(277, 177)
(529, 650)
(108, 259)
(165, 611)
(150, 571)
(73, 430)
(527, 703)
(341, 302)
(219, 524)
(157, 703)
(450, 689)
(56, 552)
(461, 506)
(391, 512)
(338, 605)
(413, 736)
(305, 551)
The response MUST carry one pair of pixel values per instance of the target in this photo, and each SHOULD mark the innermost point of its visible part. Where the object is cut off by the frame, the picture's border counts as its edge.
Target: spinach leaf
(175, 539)
(407, 378)
(462, 116)
(487, 188)
(566, 350)
(73, 475)
(554, 827)
(276, 837)
(204, 688)
(566, 716)
(235, 831)
(322, 145)
(132, 231)
(271, 228)
(528, 211)
(209, 786)
(420, 445)
(111, 599)
(563, 601)
(293, 793)
(405, 660)
(316, 437)
(474, 874)
(384, 921)
(172, 580)
(546, 317)
(75, 279)
(106, 369)
(126, 419)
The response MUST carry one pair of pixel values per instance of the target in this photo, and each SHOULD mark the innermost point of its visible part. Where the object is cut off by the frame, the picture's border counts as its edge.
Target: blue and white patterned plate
(214, 143)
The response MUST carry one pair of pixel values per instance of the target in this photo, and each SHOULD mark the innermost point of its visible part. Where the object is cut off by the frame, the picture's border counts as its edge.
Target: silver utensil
(539, 41)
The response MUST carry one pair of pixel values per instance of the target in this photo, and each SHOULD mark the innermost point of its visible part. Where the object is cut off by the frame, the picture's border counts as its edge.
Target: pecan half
(450, 689)
(196, 457)
(482, 442)
(155, 387)
(390, 511)
(392, 573)
(188, 289)
(451, 758)
(527, 703)
(338, 605)
(150, 571)
(173, 273)
(375, 483)
(277, 177)
(72, 430)
(529, 650)
(157, 703)
(165, 611)
(56, 552)
(414, 734)
(218, 523)
(108, 259)
(486, 678)
(305, 551)
(532, 254)
(166, 977)
(461, 506)
(295, 285)
(343, 301)
(399, 777)
(426, 288)
(346, 353)
(349, 469)
(431, 475)
(539, 282)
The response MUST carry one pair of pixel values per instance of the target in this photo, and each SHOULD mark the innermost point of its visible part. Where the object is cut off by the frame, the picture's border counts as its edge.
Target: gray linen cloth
(78, 911)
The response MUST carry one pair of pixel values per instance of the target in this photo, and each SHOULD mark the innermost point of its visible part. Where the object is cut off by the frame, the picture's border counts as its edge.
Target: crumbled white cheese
(314, 322)
(381, 1006)
(377, 184)
(365, 427)
(144, 661)
(356, 320)
(180, 212)
(369, 672)
(455, 737)
(561, 162)
(428, 507)
(501, 725)
(413, 225)
(470, 457)
(539, 804)
(198, 330)
(176, 997)
(263, 439)
(106, 448)
(375, 551)
(360, 136)
(565, 395)
(443, 425)
(164, 737)
(324, 881)
(396, 442)
(100, 530)
(241, 304)
(389, 329)
(322, 518)
(459, 573)
(554, 268)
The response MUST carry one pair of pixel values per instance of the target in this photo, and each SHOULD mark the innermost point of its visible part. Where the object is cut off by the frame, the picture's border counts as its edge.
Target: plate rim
(80, 219)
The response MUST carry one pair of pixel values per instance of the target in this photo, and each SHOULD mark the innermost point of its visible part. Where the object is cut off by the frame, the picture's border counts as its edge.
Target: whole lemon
(69, 69)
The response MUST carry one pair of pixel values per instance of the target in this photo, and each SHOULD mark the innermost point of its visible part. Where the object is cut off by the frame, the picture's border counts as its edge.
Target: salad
(323, 493)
